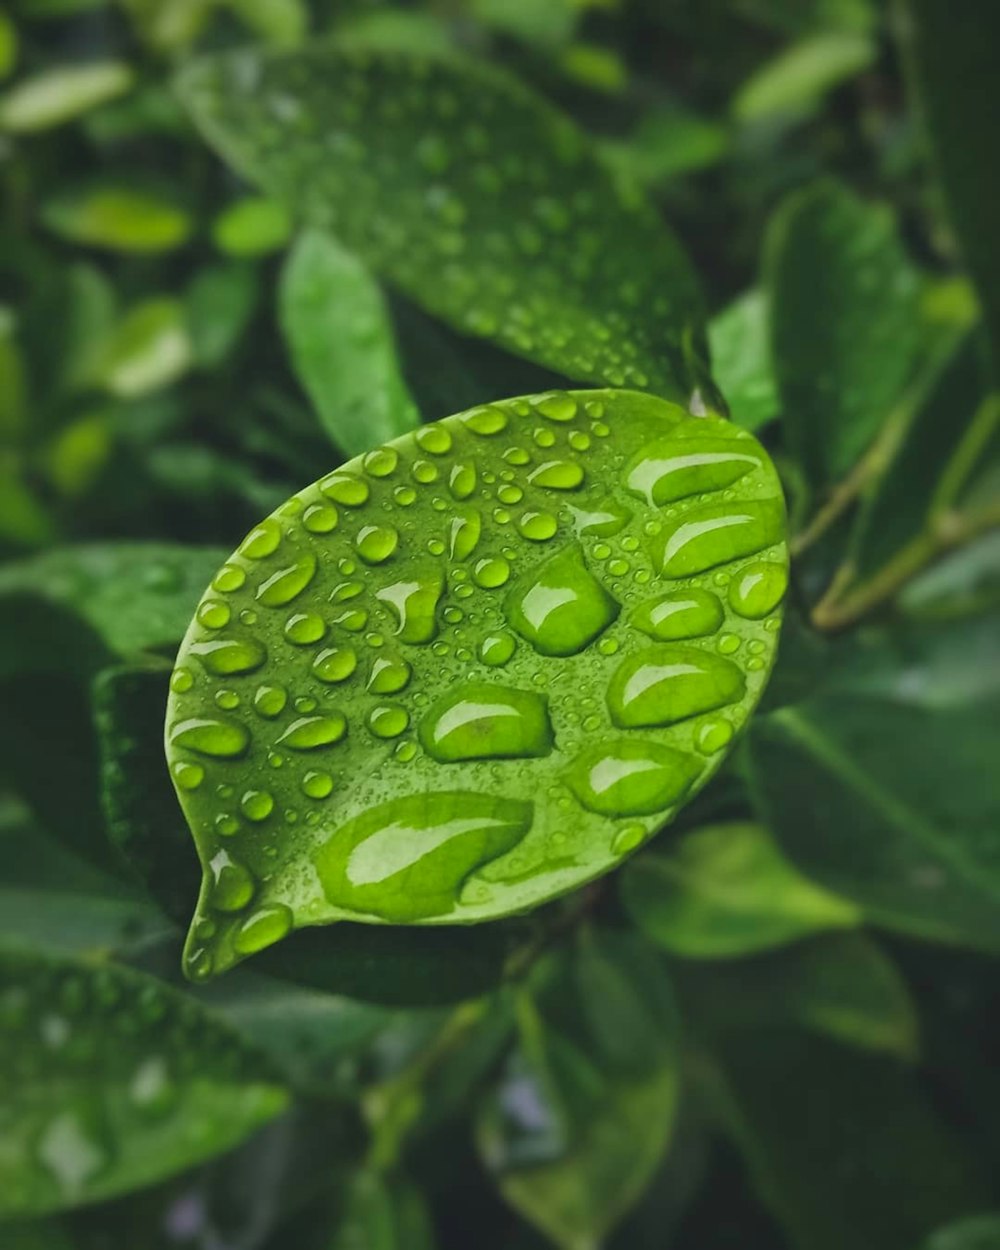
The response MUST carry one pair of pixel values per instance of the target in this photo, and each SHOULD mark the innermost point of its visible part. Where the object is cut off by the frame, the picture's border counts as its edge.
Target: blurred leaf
(123, 1082)
(406, 30)
(964, 582)
(220, 302)
(168, 25)
(727, 890)
(891, 805)
(134, 596)
(75, 457)
(952, 72)
(975, 1232)
(58, 95)
(143, 817)
(253, 226)
(843, 1147)
(800, 16)
(89, 311)
(794, 83)
(9, 44)
(120, 218)
(666, 143)
(383, 1213)
(340, 339)
(841, 985)
(13, 382)
(741, 360)
(150, 348)
(38, 1235)
(549, 25)
(595, 67)
(475, 198)
(583, 1111)
(24, 519)
(151, 109)
(280, 22)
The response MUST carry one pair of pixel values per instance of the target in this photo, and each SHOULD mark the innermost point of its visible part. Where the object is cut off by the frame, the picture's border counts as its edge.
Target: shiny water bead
(214, 614)
(452, 699)
(758, 588)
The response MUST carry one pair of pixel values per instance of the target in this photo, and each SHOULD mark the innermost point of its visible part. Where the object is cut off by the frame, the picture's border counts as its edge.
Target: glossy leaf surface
(472, 195)
(111, 1081)
(473, 669)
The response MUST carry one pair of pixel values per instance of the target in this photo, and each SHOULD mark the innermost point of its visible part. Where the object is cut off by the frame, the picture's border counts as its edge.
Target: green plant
(729, 580)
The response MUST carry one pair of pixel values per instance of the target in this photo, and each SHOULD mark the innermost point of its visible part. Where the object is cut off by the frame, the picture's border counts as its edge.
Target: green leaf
(340, 340)
(9, 44)
(112, 1081)
(843, 1147)
(61, 94)
(150, 349)
(727, 890)
(841, 985)
(669, 142)
(253, 226)
(281, 22)
(741, 360)
(975, 1232)
(844, 326)
(220, 303)
(891, 804)
(502, 638)
(951, 72)
(119, 218)
(583, 1111)
(793, 84)
(383, 1213)
(470, 194)
(134, 596)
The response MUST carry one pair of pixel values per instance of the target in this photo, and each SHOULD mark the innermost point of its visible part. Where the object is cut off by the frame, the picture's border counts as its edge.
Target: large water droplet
(560, 606)
(670, 683)
(672, 468)
(600, 520)
(462, 480)
(557, 475)
(491, 572)
(210, 736)
(310, 732)
(388, 720)
(496, 649)
(479, 720)
(413, 602)
(408, 859)
(334, 664)
(262, 541)
(712, 534)
(267, 925)
(679, 614)
(487, 420)
(539, 527)
(631, 778)
(376, 543)
(282, 587)
(557, 406)
(463, 534)
(270, 700)
(257, 805)
(758, 589)
(228, 657)
(389, 674)
(345, 489)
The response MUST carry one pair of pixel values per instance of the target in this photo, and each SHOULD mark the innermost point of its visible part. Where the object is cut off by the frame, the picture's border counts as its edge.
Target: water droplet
(309, 732)
(229, 578)
(353, 620)
(267, 925)
(181, 680)
(376, 543)
(560, 606)
(679, 614)
(407, 859)
(381, 462)
(628, 839)
(517, 456)
(433, 439)
(270, 701)
(543, 437)
(462, 480)
(668, 683)
(491, 572)
(216, 737)
(227, 700)
(486, 420)
(413, 603)
(187, 776)
(557, 475)
(728, 644)
(510, 494)
(479, 720)
(213, 614)
(539, 527)
(600, 520)
(262, 541)
(712, 534)
(228, 657)
(320, 518)
(389, 674)
(232, 883)
(257, 804)
(496, 649)
(345, 489)
(334, 664)
(631, 778)
(404, 496)
(557, 406)
(346, 591)
(758, 589)
(317, 784)
(388, 720)
(304, 628)
(714, 735)
(579, 440)
(675, 467)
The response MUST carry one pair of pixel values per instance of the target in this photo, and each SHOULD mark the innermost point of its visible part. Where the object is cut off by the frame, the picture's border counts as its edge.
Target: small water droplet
(557, 475)
(601, 520)
(487, 420)
(262, 541)
(413, 602)
(320, 518)
(628, 839)
(213, 614)
(335, 664)
(317, 784)
(224, 739)
(434, 439)
(188, 776)
(229, 657)
(496, 649)
(492, 572)
(675, 467)
(232, 883)
(388, 720)
(381, 462)
(714, 735)
(304, 628)
(557, 406)
(389, 674)
(758, 589)
(376, 543)
(539, 527)
(712, 534)
(310, 732)
(462, 480)
(270, 701)
(181, 680)
(229, 578)
(345, 489)
(257, 804)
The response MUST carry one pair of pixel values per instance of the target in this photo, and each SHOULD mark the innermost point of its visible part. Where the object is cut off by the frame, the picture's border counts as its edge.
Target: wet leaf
(583, 1111)
(474, 668)
(120, 218)
(844, 327)
(727, 890)
(58, 95)
(741, 360)
(122, 1082)
(340, 339)
(470, 194)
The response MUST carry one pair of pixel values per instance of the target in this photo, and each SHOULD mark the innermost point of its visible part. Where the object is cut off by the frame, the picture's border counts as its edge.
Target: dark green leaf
(112, 1081)
(741, 360)
(844, 328)
(727, 890)
(952, 69)
(666, 143)
(472, 195)
(975, 1232)
(340, 339)
(793, 84)
(329, 686)
(220, 303)
(383, 1213)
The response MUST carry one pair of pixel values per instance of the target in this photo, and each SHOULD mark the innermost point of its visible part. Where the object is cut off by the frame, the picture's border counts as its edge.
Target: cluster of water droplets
(487, 649)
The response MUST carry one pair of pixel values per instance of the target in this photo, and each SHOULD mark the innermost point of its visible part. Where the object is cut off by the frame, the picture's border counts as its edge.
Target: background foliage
(775, 1027)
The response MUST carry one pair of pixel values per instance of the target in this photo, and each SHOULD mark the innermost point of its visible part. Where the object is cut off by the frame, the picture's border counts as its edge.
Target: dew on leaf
(560, 607)
(679, 614)
(758, 589)
(230, 656)
(479, 720)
